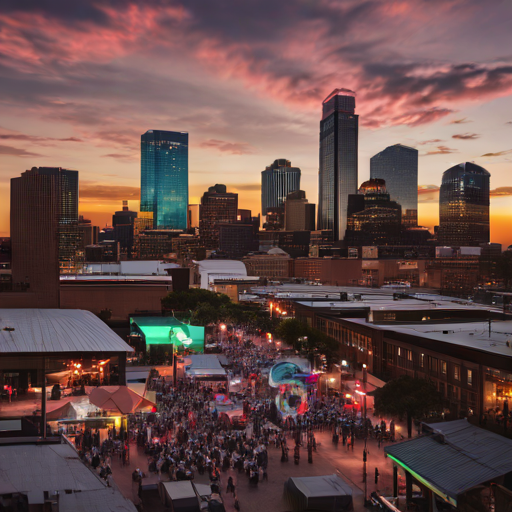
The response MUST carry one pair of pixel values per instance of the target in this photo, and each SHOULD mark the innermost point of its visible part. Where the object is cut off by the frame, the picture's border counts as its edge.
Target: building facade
(277, 181)
(464, 206)
(376, 220)
(299, 214)
(339, 132)
(398, 166)
(45, 236)
(123, 223)
(236, 239)
(217, 206)
(164, 178)
(270, 266)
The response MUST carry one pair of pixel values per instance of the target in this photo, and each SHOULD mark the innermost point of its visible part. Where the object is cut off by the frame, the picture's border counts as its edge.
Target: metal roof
(456, 457)
(33, 469)
(468, 334)
(56, 330)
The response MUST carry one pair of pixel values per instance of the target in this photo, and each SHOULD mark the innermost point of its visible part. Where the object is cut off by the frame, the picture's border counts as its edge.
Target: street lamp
(222, 329)
(331, 380)
(365, 378)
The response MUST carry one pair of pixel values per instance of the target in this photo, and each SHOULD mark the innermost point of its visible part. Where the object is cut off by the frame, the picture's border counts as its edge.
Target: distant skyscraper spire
(338, 160)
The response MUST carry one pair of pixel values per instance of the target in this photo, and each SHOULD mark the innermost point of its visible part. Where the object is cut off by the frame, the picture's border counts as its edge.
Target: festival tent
(120, 399)
(60, 410)
(318, 493)
(181, 496)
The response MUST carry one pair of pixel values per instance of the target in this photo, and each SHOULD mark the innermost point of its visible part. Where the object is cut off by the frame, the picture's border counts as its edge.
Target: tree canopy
(190, 299)
(407, 397)
(203, 307)
(309, 341)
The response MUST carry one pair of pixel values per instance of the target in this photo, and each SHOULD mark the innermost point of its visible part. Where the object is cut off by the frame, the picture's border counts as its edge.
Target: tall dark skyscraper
(217, 206)
(398, 166)
(44, 230)
(339, 131)
(277, 181)
(464, 206)
(123, 223)
(164, 178)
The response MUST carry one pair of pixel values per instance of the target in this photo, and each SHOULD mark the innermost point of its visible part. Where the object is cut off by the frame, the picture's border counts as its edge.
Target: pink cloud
(233, 148)
(334, 49)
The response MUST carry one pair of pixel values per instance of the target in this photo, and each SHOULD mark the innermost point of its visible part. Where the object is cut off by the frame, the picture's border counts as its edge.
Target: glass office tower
(164, 178)
(464, 206)
(398, 166)
(338, 160)
(277, 181)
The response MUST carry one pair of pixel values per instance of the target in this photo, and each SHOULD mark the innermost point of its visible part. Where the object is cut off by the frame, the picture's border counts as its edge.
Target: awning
(120, 399)
(455, 458)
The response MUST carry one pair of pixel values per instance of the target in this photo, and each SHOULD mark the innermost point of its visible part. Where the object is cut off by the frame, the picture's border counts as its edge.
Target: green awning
(167, 330)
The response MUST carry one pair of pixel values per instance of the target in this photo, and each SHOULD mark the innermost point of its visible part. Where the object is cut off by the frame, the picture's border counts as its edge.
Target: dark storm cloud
(12, 151)
(466, 136)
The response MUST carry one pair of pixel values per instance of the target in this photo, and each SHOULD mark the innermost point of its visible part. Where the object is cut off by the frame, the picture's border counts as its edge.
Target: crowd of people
(189, 436)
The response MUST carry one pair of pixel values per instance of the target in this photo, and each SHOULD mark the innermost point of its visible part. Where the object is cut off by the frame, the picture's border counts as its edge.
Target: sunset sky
(80, 81)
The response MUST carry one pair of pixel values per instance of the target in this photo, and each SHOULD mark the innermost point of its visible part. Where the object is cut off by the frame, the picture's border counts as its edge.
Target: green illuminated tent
(167, 330)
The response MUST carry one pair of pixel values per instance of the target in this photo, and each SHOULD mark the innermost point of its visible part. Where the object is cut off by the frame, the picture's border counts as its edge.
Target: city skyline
(76, 102)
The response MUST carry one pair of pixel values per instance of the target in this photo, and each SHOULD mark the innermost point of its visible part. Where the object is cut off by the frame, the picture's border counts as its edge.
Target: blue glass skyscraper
(164, 178)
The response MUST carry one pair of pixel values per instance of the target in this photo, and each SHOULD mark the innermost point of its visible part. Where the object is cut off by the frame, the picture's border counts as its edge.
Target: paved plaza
(268, 495)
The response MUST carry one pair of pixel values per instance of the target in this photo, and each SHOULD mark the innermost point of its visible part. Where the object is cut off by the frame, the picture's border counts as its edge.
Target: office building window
(443, 367)
(456, 372)
(470, 377)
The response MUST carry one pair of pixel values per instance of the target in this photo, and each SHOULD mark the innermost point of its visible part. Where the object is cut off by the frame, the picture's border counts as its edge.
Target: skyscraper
(164, 178)
(123, 222)
(217, 206)
(277, 181)
(299, 214)
(337, 176)
(464, 206)
(373, 218)
(44, 230)
(398, 166)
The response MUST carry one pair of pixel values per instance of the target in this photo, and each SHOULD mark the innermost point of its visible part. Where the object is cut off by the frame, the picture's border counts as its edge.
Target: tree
(105, 314)
(308, 340)
(189, 300)
(407, 397)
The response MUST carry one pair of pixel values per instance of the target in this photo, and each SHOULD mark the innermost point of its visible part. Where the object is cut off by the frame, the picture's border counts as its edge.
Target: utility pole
(365, 427)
